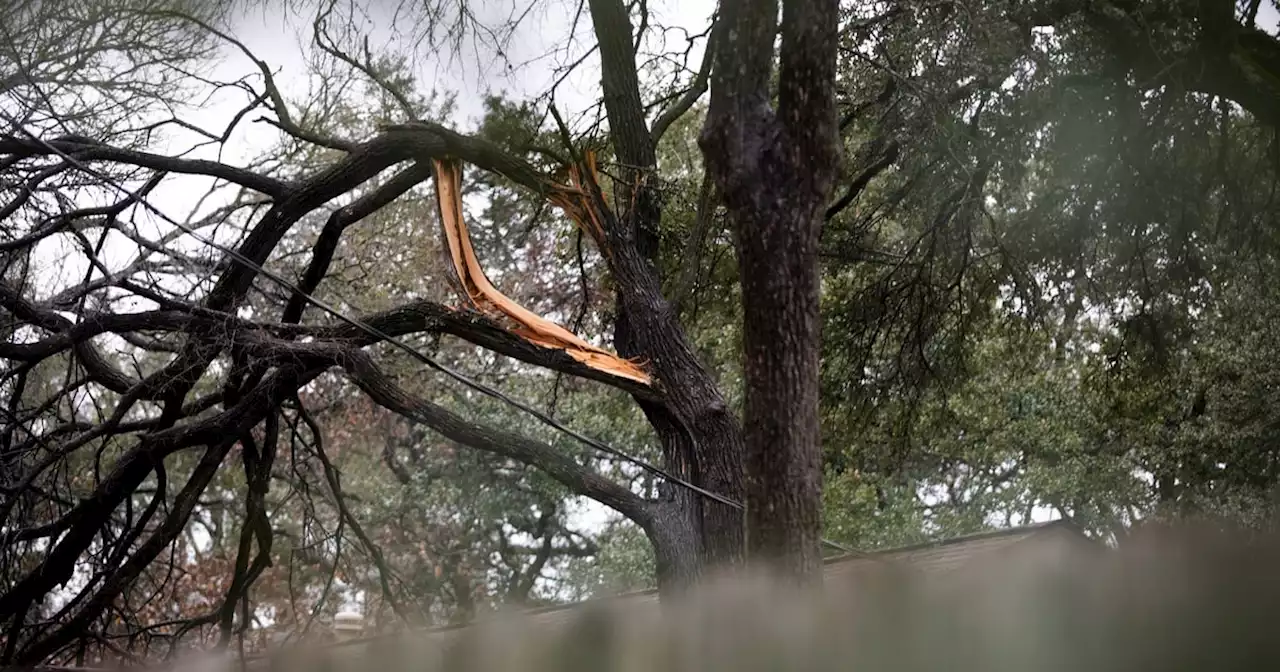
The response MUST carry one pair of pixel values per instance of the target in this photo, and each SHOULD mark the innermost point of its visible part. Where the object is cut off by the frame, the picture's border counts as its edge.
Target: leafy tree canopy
(1047, 288)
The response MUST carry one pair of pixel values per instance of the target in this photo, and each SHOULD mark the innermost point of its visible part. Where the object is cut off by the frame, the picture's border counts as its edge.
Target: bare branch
(366, 67)
(88, 151)
(286, 122)
(579, 479)
(689, 97)
(475, 328)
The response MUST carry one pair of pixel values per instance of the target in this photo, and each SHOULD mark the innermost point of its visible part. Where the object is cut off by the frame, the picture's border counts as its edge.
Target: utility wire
(408, 349)
(375, 332)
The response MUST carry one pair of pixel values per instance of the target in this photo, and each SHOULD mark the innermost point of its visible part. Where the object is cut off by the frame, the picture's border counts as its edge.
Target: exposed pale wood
(485, 297)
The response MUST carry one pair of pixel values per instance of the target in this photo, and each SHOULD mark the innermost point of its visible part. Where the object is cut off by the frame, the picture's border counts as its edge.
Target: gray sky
(525, 68)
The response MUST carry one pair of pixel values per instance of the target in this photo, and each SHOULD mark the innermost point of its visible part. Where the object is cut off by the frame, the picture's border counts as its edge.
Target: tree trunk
(777, 255)
(775, 171)
(677, 547)
(701, 439)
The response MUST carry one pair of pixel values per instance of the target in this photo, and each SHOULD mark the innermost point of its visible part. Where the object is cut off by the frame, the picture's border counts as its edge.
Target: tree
(168, 380)
(1063, 349)
(224, 379)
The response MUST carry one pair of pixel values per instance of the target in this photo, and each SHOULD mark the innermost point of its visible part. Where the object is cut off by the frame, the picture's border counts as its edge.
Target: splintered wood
(486, 298)
(575, 201)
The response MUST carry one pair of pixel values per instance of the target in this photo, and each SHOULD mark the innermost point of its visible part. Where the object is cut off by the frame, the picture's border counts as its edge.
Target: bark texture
(775, 168)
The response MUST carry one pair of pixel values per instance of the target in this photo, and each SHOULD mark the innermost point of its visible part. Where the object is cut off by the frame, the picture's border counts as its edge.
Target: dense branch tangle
(105, 459)
(227, 373)
(155, 418)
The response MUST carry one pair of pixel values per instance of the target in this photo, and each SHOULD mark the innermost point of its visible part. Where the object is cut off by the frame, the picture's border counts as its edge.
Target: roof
(952, 553)
(935, 558)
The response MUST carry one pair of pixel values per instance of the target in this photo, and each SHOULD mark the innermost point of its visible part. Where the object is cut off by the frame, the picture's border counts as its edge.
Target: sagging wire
(373, 331)
(476, 385)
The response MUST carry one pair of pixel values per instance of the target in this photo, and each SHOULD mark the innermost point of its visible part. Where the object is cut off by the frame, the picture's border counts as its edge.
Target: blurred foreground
(1190, 599)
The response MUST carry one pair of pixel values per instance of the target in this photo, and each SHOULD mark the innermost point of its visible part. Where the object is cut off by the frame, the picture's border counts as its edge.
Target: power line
(375, 332)
(410, 350)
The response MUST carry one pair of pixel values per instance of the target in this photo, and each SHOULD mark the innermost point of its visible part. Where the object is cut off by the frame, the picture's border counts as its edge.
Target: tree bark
(701, 439)
(775, 171)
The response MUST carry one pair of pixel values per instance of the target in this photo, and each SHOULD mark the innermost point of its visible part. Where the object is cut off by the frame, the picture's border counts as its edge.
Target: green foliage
(1051, 291)
(1075, 340)
(623, 564)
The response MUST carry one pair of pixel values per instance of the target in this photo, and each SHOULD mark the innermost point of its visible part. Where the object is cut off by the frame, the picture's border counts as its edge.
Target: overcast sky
(525, 69)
